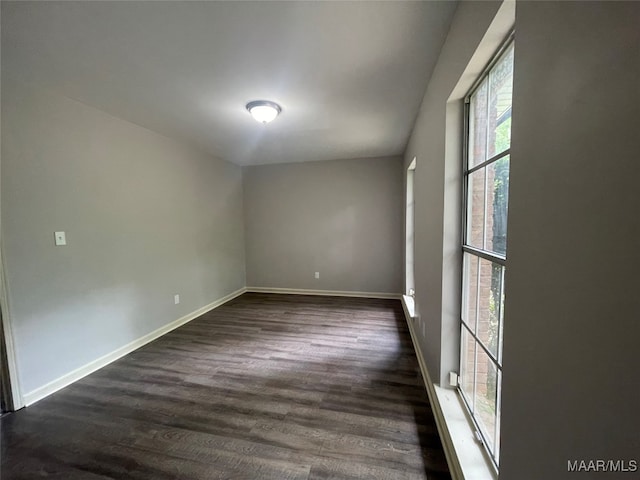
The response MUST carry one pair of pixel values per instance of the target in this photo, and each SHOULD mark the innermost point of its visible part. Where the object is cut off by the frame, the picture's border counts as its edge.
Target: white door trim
(14, 383)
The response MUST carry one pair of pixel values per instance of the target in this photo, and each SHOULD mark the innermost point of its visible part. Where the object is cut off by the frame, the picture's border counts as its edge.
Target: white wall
(435, 142)
(145, 217)
(571, 381)
(340, 218)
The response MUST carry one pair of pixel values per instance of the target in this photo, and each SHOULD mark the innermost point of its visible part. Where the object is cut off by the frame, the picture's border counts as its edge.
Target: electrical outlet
(176, 299)
(317, 274)
(61, 238)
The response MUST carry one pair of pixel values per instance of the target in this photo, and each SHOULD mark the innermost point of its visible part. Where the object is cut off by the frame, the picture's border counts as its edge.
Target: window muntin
(486, 181)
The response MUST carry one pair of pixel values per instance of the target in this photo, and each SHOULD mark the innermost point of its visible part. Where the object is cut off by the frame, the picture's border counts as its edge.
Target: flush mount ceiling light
(263, 111)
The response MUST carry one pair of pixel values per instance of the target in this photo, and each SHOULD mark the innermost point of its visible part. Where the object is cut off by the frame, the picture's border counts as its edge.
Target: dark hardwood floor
(264, 387)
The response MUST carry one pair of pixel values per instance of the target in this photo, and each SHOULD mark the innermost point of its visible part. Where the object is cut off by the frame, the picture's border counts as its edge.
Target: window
(409, 232)
(484, 245)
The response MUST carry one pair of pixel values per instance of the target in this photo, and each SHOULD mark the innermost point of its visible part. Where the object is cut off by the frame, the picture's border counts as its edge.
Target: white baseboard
(328, 293)
(466, 458)
(449, 450)
(75, 375)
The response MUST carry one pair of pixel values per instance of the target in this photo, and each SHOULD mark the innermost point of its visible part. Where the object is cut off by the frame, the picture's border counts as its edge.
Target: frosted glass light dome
(263, 110)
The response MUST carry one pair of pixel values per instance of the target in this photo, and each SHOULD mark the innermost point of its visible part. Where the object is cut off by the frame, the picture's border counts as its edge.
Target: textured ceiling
(349, 76)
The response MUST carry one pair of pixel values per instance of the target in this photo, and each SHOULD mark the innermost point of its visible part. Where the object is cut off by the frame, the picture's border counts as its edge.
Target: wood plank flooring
(264, 387)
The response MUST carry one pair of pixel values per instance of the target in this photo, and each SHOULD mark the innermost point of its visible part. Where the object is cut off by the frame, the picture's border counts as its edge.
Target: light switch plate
(61, 238)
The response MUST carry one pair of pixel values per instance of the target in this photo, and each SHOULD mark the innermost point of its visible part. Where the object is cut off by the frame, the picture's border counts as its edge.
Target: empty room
(319, 240)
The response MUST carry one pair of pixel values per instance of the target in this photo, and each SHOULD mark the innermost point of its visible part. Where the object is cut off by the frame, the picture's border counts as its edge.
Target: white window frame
(481, 254)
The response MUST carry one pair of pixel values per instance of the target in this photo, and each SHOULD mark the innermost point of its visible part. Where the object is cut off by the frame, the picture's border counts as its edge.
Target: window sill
(466, 457)
(409, 304)
(471, 455)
